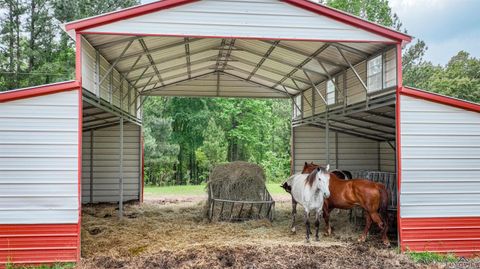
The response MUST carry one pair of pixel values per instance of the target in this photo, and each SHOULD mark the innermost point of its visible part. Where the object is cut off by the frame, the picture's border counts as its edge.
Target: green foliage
(208, 132)
(33, 49)
(54, 266)
(430, 257)
(460, 78)
(377, 11)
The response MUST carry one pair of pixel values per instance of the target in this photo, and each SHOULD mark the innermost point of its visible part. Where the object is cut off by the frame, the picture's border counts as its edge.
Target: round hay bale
(239, 181)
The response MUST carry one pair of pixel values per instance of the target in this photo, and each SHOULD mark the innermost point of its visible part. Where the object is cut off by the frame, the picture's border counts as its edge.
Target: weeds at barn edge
(176, 235)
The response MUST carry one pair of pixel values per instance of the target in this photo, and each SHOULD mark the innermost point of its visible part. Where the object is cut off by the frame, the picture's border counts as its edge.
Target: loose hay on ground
(177, 236)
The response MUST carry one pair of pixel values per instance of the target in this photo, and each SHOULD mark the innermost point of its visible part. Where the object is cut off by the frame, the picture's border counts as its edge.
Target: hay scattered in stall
(237, 191)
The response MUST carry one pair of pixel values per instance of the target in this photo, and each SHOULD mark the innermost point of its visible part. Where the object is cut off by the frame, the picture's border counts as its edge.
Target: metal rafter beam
(163, 47)
(349, 132)
(358, 52)
(353, 69)
(150, 58)
(177, 82)
(357, 126)
(114, 64)
(274, 71)
(184, 74)
(279, 60)
(302, 64)
(224, 62)
(293, 100)
(254, 82)
(115, 42)
(305, 54)
(315, 87)
(258, 76)
(175, 57)
(265, 56)
(178, 66)
(371, 122)
(187, 56)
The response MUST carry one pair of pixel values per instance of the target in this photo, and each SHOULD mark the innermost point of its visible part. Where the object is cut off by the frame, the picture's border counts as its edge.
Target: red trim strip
(460, 235)
(350, 19)
(38, 243)
(399, 141)
(434, 97)
(143, 166)
(78, 71)
(38, 91)
(124, 14)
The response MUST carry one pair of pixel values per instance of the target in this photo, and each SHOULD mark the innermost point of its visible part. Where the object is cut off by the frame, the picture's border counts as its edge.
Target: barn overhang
(262, 49)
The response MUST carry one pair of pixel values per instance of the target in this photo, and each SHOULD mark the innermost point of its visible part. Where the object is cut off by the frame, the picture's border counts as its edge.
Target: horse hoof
(361, 239)
(307, 241)
(386, 244)
(293, 230)
(317, 239)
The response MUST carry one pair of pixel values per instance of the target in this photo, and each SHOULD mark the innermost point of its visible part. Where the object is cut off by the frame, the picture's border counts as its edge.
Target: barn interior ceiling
(184, 66)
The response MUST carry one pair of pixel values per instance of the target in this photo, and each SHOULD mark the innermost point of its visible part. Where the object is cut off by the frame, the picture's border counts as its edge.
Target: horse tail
(383, 210)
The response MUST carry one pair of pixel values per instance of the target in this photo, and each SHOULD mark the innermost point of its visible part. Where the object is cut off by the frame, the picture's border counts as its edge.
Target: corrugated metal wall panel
(106, 164)
(443, 235)
(387, 157)
(354, 153)
(39, 159)
(265, 18)
(112, 83)
(440, 160)
(41, 244)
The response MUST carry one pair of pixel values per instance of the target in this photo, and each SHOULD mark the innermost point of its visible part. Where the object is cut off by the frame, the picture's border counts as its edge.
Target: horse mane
(311, 177)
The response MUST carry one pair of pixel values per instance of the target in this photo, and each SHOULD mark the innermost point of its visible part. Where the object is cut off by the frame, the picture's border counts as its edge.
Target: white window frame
(331, 92)
(298, 101)
(375, 70)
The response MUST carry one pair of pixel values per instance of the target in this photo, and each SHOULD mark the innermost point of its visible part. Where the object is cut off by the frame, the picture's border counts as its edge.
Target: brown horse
(345, 194)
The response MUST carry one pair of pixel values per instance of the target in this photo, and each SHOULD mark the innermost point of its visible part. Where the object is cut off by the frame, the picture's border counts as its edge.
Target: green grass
(53, 266)
(430, 257)
(273, 188)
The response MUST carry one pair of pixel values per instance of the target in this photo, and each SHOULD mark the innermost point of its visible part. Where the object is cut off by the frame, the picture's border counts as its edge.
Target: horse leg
(326, 217)
(384, 228)
(368, 223)
(294, 213)
(317, 224)
(307, 226)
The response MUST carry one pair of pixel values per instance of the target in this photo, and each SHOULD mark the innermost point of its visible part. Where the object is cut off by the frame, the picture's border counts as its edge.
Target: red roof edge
(442, 99)
(124, 14)
(38, 91)
(350, 19)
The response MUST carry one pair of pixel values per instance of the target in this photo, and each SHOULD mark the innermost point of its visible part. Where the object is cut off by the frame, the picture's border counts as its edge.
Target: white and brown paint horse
(310, 190)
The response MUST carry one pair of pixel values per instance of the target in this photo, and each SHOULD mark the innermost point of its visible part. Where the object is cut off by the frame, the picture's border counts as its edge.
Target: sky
(447, 26)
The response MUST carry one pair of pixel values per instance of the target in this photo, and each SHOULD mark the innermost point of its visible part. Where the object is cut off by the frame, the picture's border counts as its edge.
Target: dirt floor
(173, 233)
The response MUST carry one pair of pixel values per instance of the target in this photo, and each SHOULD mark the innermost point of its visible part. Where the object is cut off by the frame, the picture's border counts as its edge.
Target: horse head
(323, 180)
(309, 167)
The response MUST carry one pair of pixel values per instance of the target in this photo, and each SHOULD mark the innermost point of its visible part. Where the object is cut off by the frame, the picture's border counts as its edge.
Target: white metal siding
(354, 153)
(106, 161)
(240, 18)
(39, 159)
(112, 87)
(440, 160)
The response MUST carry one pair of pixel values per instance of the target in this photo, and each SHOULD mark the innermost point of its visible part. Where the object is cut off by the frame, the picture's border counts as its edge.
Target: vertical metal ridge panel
(354, 153)
(38, 244)
(387, 157)
(106, 164)
(459, 235)
(274, 19)
(440, 160)
(39, 159)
